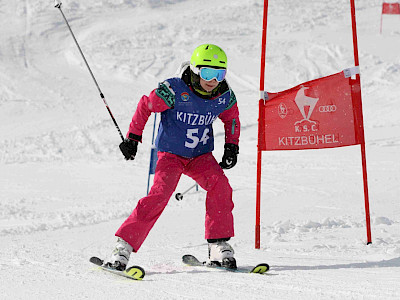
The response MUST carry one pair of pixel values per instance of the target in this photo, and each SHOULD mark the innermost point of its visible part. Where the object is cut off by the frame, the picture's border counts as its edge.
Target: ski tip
(97, 261)
(135, 272)
(260, 269)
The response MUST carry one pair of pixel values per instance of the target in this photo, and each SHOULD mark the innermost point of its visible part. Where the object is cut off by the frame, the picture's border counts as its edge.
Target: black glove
(229, 159)
(129, 146)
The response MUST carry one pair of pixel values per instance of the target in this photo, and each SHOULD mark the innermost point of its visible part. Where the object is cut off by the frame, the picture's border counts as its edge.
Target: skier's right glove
(229, 159)
(129, 146)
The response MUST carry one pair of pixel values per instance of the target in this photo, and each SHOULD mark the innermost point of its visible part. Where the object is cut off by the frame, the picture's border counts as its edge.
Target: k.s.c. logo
(185, 96)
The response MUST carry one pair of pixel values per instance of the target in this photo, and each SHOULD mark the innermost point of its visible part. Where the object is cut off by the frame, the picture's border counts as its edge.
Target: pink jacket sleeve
(231, 121)
(145, 107)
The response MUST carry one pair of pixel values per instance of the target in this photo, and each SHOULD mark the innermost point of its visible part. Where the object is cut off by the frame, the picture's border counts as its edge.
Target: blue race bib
(186, 128)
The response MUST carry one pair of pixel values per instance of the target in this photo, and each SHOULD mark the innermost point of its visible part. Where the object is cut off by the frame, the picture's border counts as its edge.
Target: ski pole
(57, 4)
(179, 196)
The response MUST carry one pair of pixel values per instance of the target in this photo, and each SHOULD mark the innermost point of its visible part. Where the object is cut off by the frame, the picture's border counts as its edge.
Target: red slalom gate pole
(361, 127)
(260, 124)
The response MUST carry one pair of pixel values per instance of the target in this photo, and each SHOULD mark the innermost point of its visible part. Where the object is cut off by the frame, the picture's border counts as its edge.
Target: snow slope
(65, 188)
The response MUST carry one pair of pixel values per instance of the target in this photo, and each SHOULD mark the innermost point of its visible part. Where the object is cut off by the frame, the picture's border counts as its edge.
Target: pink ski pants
(207, 173)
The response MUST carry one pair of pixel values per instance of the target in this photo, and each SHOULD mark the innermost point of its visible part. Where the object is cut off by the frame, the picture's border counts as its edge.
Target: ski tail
(191, 260)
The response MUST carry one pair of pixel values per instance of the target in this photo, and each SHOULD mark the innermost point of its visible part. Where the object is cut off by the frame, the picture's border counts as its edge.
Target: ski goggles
(208, 73)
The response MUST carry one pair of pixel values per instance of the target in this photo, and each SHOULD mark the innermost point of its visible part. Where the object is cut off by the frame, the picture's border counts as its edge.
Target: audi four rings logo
(327, 108)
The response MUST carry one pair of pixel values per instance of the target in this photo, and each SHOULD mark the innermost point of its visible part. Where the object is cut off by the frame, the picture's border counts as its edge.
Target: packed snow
(65, 187)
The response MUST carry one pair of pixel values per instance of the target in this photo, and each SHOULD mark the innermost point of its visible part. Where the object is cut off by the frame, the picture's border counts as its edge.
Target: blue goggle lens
(210, 73)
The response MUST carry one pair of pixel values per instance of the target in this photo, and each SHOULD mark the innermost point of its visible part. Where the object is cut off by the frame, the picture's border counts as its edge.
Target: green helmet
(209, 55)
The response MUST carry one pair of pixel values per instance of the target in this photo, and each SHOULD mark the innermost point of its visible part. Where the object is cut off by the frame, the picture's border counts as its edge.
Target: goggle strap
(194, 69)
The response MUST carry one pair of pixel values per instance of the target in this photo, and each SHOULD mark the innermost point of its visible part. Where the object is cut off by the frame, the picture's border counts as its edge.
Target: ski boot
(220, 254)
(120, 256)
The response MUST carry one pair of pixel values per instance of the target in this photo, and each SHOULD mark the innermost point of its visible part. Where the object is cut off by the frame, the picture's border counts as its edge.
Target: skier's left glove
(129, 146)
(229, 159)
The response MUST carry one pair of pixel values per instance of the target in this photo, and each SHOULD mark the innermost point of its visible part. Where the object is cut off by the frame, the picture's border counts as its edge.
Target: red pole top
(263, 45)
(354, 28)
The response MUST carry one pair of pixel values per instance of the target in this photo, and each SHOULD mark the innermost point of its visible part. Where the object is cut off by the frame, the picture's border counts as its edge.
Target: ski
(133, 272)
(191, 260)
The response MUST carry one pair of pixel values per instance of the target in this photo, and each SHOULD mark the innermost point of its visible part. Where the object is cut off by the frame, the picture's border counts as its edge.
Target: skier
(188, 105)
